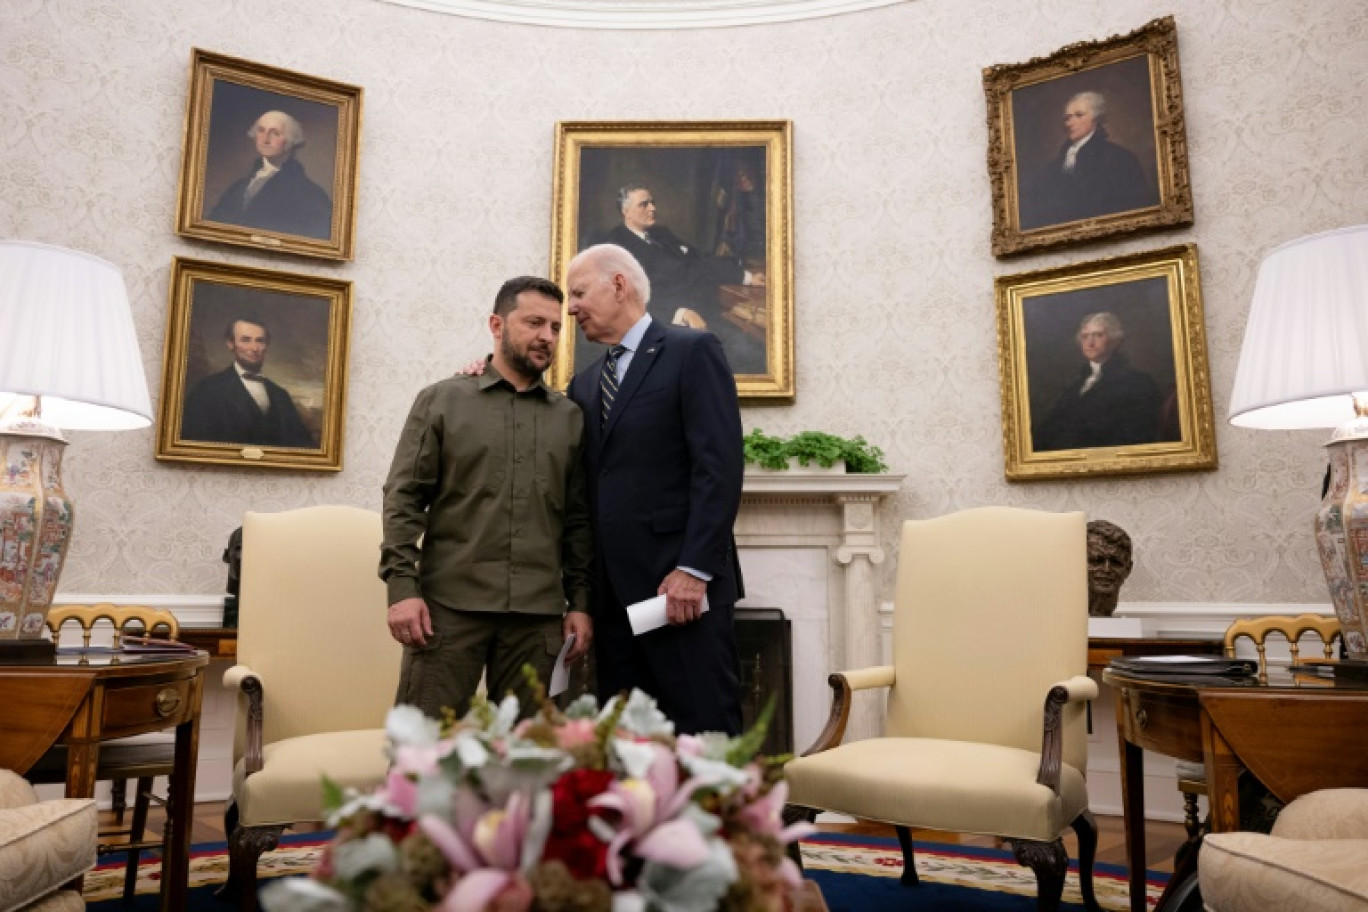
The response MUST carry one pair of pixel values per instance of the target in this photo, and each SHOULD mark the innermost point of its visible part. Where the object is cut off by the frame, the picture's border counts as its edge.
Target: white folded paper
(649, 614)
(560, 674)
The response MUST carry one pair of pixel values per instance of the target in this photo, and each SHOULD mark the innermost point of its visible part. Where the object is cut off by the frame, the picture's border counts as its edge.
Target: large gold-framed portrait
(1104, 368)
(255, 367)
(1088, 142)
(269, 159)
(706, 207)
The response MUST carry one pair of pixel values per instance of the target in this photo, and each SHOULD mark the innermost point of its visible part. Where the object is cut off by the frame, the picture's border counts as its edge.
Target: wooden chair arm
(1079, 687)
(248, 683)
(843, 684)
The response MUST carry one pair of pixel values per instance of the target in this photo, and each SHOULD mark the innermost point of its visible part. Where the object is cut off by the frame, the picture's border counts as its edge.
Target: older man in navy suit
(664, 458)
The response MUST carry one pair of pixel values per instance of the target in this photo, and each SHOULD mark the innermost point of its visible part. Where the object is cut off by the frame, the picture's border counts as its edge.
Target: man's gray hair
(294, 133)
(625, 193)
(1108, 321)
(1094, 100)
(611, 260)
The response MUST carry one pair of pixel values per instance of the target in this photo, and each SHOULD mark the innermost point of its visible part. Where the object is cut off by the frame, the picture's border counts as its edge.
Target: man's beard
(518, 360)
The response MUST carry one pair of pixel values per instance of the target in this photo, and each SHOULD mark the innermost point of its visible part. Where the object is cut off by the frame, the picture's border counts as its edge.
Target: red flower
(570, 841)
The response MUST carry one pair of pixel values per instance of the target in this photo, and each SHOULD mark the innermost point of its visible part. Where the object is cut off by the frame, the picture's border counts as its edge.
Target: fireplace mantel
(809, 544)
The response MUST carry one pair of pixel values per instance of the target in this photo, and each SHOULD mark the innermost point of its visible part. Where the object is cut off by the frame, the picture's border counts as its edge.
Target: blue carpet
(860, 874)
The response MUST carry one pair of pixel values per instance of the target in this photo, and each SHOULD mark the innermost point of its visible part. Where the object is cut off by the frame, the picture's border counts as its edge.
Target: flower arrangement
(590, 810)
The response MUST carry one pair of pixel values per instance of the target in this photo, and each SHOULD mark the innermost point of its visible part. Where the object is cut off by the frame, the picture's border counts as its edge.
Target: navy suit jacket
(665, 471)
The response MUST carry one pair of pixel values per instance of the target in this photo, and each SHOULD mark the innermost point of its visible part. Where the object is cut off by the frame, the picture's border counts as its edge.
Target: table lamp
(68, 359)
(1304, 364)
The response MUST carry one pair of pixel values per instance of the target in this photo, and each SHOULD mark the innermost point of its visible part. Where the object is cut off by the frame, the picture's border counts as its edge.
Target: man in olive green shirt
(489, 477)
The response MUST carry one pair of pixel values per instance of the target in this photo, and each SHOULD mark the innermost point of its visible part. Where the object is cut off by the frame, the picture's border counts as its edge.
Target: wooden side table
(1297, 735)
(82, 699)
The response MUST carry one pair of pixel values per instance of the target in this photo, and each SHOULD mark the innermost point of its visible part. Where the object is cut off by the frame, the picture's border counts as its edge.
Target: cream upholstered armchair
(317, 673)
(1315, 860)
(44, 847)
(984, 730)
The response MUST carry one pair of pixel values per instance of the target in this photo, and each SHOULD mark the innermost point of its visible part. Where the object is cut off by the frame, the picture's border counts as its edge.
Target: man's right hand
(409, 621)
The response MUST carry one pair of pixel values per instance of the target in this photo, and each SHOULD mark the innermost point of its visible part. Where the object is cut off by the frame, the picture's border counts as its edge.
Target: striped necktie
(608, 381)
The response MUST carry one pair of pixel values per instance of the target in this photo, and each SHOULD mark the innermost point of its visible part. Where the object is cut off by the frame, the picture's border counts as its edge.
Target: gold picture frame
(308, 205)
(288, 334)
(726, 187)
(1121, 101)
(1148, 407)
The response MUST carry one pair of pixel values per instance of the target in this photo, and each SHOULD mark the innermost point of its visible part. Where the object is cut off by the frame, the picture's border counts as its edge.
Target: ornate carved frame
(1158, 41)
(247, 284)
(276, 88)
(775, 138)
(1195, 450)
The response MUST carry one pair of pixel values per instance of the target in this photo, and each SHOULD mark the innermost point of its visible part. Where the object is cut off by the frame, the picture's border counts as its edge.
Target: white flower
(302, 894)
(356, 857)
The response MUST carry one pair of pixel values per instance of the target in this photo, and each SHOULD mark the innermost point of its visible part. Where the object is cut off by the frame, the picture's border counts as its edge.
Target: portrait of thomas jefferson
(1101, 377)
(1085, 145)
(270, 162)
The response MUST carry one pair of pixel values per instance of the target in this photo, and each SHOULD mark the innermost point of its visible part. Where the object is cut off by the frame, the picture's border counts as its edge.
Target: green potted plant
(811, 449)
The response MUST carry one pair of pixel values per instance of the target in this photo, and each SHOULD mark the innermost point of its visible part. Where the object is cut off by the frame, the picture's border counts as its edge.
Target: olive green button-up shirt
(491, 480)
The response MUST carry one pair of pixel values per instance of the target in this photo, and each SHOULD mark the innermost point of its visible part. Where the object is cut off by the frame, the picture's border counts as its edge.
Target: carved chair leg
(245, 845)
(118, 799)
(1049, 861)
(1085, 825)
(141, 799)
(909, 874)
(792, 814)
(1192, 820)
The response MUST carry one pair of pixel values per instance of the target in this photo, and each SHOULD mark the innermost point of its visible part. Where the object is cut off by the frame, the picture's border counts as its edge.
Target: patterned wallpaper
(894, 279)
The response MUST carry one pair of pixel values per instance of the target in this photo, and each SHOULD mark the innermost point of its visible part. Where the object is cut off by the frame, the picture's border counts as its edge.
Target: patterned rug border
(978, 867)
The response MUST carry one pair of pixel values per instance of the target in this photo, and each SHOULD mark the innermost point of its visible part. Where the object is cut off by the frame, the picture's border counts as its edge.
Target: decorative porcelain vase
(1342, 539)
(35, 525)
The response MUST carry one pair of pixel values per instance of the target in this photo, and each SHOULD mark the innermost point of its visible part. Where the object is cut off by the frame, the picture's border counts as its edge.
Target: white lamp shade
(66, 334)
(1306, 344)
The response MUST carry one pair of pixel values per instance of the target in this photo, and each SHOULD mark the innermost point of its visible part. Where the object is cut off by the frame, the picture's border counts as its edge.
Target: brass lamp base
(27, 652)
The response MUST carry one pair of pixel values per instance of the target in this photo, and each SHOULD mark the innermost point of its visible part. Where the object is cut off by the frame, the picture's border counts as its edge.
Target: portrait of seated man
(1108, 402)
(275, 194)
(686, 281)
(1089, 175)
(241, 405)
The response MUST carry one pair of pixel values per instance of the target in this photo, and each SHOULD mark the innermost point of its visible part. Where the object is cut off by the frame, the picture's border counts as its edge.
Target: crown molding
(645, 14)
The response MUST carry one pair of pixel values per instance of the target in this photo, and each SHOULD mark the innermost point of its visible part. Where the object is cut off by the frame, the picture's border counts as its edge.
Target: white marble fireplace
(809, 544)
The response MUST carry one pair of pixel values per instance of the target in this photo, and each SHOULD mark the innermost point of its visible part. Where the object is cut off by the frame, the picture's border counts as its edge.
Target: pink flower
(574, 733)
(649, 818)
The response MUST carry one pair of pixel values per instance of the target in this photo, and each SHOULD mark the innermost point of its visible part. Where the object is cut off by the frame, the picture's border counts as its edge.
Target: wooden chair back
(1290, 628)
(146, 620)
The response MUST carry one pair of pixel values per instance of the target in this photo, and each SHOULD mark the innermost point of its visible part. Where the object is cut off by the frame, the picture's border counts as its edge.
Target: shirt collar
(242, 372)
(631, 340)
(491, 378)
(1082, 142)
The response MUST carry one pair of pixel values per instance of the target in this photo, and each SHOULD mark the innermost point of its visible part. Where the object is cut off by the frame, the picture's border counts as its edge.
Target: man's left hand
(683, 597)
(582, 626)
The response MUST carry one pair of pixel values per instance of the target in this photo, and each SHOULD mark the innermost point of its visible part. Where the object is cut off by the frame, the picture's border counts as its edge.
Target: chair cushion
(289, 787)
(958, 786)
(1253, 872)
(44, 845)
(1340, 813)
(61, 901)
